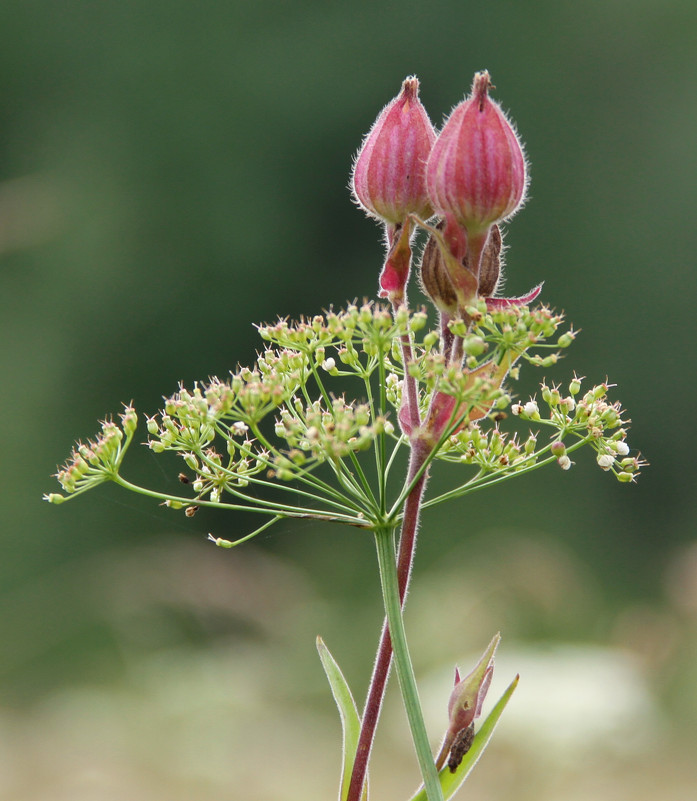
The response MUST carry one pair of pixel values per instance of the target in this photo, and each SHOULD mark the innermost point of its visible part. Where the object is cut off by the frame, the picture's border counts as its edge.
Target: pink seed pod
(476, 170)
(388, 179)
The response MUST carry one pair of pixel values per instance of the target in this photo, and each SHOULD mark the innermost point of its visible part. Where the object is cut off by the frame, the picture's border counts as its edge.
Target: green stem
(384, 539)
(342, 473)
(260, 482)
(258, 507)
(490, 479)
(304, 476)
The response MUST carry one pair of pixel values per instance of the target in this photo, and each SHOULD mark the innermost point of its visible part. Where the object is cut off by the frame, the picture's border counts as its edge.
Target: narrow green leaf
(451, 782)
(350, 720)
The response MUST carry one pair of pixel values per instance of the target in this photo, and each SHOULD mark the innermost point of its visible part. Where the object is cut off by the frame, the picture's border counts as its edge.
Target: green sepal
(350, 719)
(451, 782)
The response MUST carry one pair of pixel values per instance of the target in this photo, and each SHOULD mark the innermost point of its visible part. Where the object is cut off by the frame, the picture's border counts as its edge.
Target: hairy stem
(384, 539)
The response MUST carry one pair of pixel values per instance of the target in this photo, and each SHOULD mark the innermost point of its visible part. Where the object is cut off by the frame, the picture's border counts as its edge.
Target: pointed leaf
(350, 720)
(493, 304)
(451, 782)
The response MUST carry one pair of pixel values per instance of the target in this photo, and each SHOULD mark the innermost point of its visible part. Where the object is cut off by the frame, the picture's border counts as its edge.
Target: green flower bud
(549, 361)
(474, 345)
(502, 401)
(458, 327)
(431, 340)
(54, 497)
(610, 417)
(129, 421)
(558, 448)
(174, 504)
(599, 391)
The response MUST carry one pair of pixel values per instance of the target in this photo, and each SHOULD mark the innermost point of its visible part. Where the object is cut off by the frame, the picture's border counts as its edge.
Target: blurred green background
(171, 172)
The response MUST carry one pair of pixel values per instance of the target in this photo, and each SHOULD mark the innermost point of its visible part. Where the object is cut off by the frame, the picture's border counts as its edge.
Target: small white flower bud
(564, 462)
(621, 448)
(531, 408)
(239, 428)
(605, 461)
(329, 365)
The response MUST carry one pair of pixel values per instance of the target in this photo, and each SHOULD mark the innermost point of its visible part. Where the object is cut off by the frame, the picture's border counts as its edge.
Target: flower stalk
(383, 660)
(384, 539)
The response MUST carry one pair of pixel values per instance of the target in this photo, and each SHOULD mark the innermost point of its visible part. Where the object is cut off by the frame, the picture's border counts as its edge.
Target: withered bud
(434, 278)
(190, 511)
(490, 268)
(436, 282)
(461, 745)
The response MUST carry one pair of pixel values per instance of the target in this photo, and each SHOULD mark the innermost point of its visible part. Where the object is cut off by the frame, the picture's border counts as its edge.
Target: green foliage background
(172, 172)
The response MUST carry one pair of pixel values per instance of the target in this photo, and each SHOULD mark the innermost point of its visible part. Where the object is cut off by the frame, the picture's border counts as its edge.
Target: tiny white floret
(531, 408)
(622, 448)
(605, 461)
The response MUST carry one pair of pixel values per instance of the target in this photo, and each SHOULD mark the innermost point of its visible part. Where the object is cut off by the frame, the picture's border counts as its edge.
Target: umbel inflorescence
(314, 428)
(295, 411)
(277, 422)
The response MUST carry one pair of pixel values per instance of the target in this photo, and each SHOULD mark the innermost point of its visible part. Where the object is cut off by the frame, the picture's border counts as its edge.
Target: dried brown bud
(434, 278)
(461, 745)
(436, 282)
(490, 268)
